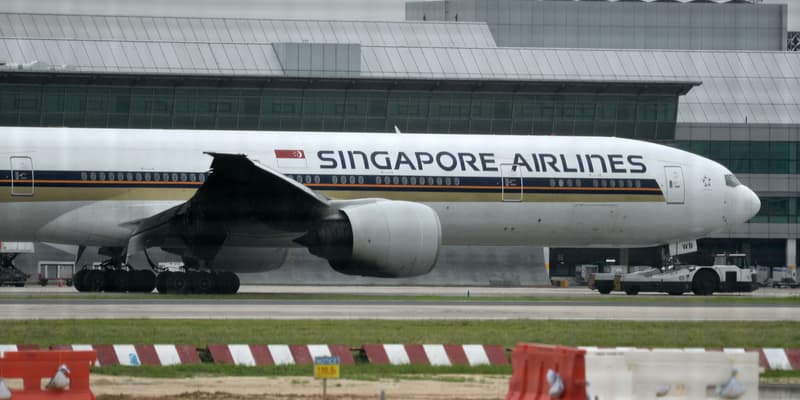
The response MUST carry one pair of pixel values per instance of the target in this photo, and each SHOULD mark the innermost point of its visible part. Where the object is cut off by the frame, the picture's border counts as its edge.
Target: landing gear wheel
(227, 283)
(161, 281)
(144, 281)
(95, 281)
(121, 281)
(202, 282)
(705, 283)
(79, 278)
(178, 283)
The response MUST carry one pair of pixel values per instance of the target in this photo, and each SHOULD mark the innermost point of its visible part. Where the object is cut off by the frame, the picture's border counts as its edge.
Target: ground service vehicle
(729, 273)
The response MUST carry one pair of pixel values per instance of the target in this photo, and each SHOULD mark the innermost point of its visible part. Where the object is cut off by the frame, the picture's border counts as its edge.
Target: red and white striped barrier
(768, 358)
(138, 354)
(436, 354)
(16, 347)
(277, 354)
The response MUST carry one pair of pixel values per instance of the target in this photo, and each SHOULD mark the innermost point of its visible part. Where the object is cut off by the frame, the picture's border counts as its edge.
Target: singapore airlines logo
(290, 158)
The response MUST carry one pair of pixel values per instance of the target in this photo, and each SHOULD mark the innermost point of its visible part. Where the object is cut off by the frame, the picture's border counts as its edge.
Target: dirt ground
(297, 388)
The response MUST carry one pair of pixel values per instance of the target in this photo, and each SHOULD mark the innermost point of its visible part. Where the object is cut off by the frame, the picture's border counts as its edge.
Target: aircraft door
(511, 182)
(21, 176)
(675, 185)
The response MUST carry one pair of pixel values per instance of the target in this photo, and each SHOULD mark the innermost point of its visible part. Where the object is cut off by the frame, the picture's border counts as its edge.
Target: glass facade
(781, 210)
(317, 106)
(749, 157)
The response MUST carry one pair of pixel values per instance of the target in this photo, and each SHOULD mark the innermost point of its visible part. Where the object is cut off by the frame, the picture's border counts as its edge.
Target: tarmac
(567, 304)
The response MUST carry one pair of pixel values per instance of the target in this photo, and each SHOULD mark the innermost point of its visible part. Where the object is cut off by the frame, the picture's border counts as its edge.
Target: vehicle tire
(705, 282)
(43, 282)
(20, 284)
(604, 289)
(95, 281)
(675, 293)
(632, 291)
(69, 282)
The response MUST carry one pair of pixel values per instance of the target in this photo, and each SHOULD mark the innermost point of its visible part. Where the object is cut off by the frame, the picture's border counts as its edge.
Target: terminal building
(714, 79)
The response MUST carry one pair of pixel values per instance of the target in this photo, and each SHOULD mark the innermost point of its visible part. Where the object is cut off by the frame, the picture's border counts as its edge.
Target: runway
(579, 305)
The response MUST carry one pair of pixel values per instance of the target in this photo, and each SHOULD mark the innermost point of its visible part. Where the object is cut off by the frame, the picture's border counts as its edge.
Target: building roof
(737, 87)
(240, 30)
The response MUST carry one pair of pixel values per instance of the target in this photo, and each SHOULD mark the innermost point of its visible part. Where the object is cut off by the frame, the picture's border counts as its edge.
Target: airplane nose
(754, 204)
(747, 204)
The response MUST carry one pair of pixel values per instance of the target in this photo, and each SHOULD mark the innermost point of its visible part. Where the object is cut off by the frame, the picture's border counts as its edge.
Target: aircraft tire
(95, 281)
(78, 278)
(122, 281)
(227, 283)
(705, 283)
(632, 291)
(161, 282)
(145, 281)
(178, 283)
(202, 282)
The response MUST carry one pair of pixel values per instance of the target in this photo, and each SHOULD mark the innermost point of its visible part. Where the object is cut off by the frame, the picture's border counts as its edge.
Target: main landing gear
(115, 280)
(126, 279)
(197, 282)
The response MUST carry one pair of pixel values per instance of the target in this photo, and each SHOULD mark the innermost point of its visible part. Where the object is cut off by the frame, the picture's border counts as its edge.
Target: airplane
(372, 204)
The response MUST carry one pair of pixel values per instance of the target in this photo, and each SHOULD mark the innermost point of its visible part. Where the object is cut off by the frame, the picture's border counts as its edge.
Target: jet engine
(388, 239)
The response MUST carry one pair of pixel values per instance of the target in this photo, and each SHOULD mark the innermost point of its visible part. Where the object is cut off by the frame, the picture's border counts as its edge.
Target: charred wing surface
(241, 202)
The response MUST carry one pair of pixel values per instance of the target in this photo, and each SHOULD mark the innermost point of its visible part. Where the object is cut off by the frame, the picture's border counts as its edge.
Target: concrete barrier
(668, 373)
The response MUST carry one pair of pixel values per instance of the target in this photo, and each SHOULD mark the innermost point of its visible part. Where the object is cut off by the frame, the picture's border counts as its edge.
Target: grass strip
(710, 334)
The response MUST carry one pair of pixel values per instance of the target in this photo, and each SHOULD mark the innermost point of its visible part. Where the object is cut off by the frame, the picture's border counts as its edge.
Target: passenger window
(457, 181)
(93, 176)
(378, 180)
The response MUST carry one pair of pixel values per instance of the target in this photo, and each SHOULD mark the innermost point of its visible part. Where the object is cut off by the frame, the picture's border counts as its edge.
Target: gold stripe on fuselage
(49, 193)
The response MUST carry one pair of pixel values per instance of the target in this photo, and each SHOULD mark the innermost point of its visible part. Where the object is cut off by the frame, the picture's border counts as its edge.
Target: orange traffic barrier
(531, 362)
(36, 367)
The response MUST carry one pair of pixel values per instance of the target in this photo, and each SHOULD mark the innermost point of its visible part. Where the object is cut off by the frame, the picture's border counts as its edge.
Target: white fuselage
(488, 190)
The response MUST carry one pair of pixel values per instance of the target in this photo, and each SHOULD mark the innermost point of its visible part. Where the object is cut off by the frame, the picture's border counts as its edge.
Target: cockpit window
(731, 181)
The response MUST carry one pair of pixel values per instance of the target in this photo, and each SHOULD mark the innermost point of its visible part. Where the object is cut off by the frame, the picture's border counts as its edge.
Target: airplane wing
(237, 193)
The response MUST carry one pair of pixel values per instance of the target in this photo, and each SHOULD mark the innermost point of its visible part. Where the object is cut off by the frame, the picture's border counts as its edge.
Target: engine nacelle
(389, 239)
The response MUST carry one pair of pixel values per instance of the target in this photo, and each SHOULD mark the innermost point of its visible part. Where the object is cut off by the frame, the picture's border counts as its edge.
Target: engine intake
(389, 239)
